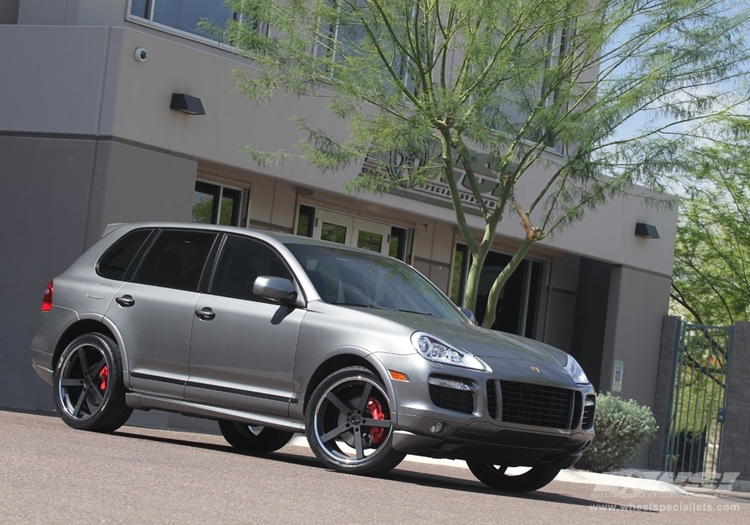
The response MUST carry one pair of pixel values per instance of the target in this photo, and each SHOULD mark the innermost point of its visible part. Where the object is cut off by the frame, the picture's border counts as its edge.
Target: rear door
(154, 312)
(243, 347)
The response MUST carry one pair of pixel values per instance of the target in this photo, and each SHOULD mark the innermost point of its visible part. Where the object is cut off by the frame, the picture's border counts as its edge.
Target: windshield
(351, 278)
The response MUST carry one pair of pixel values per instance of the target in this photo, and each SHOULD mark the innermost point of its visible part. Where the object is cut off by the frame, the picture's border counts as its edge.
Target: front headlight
(433, 349)
(576, 372)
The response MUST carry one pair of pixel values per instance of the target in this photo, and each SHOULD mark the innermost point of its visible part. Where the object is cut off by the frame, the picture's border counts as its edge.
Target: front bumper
(507, 416)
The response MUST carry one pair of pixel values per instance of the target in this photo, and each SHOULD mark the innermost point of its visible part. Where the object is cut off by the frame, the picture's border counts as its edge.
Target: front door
(243, 347)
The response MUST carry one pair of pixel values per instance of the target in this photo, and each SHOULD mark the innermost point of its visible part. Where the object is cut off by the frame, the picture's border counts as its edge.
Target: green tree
(484, 94)
(711, 278)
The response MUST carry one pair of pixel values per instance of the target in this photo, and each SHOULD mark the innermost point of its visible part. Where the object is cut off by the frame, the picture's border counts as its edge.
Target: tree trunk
(472, 279)
(491, 310)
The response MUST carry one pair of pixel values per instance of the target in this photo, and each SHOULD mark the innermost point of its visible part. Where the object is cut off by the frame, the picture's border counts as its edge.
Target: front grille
(589, 412)
(492, 399)
(452, 399)
(538, 405)
(577, 410)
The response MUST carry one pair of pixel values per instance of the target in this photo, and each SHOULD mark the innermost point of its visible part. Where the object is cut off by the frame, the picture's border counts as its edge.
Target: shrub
(621, 428)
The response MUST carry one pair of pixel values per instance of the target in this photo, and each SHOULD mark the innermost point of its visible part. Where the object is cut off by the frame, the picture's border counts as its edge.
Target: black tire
(250, 438)
(494, 476)
(348, 423)
(88, 385)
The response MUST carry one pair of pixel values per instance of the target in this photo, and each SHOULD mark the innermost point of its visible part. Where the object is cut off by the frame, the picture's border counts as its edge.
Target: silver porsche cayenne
(272, 335)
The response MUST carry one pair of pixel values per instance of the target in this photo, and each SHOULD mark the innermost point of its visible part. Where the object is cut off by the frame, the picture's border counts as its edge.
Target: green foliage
(696, 402)
(621, 428)
(700, 380)
(711, 279)
(484, 94)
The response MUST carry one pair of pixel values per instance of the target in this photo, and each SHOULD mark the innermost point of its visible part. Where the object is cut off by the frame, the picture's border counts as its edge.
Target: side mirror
(469, 314)
(275, 289)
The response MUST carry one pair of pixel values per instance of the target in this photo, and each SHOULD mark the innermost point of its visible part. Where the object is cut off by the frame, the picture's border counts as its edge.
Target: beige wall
(100, 89)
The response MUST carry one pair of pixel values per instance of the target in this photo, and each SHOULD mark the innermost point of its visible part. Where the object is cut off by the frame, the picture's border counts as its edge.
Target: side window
(241, 261)
(118, 257)
(176, 259)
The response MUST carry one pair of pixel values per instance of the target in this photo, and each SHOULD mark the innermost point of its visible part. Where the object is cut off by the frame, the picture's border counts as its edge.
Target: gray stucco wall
(9, 11)
(58, 195)
(144, 184)
(45, 204)
(635, 310)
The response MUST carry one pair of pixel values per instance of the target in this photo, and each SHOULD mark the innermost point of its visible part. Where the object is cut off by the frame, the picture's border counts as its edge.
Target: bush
(621, 428)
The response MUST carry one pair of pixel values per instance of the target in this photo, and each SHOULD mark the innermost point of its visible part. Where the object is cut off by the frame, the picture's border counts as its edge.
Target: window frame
(135, 259)
(218, 190)
(260, 26)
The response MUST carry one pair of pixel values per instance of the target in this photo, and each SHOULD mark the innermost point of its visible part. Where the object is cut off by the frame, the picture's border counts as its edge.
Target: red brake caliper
(103, 378)
(376, 409)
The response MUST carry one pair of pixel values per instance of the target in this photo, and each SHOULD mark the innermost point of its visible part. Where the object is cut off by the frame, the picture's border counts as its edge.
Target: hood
(481, 342)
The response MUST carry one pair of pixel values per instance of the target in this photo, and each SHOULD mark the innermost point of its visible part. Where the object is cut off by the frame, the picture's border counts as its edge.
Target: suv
(272, 334)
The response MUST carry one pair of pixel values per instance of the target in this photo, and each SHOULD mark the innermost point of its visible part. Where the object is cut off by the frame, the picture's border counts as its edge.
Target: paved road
(52, 474)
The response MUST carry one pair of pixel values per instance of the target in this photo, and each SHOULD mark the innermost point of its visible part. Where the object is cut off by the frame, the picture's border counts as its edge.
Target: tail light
(47, 299)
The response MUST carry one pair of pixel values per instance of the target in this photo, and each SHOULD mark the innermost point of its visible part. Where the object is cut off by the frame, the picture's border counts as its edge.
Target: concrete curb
(602, 482)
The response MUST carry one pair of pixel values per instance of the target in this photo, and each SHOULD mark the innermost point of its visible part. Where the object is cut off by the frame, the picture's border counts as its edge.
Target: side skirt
(148, 402)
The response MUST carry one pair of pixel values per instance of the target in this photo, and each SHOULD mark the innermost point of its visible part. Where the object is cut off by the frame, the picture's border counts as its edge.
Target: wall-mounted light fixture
(187, 104)
(647, 231)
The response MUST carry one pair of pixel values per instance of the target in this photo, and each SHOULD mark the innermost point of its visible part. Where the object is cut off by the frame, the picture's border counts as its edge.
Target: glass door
(352, 231)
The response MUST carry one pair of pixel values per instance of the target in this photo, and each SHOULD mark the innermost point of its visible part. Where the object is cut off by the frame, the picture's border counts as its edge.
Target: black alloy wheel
(495, 476)
(88, 386)
(254, 438)
(348, 423)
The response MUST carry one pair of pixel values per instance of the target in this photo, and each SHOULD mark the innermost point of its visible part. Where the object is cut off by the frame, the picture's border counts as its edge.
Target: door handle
(125, 301)
(205, 313)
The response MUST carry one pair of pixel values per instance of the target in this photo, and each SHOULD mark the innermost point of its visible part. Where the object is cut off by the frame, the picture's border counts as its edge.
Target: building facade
(87, 138)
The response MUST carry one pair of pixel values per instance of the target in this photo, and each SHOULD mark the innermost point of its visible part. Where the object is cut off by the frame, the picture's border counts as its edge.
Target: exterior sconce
(187, 104)
(647, 231)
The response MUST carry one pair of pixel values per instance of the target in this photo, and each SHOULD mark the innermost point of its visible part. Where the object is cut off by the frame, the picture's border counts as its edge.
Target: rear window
(118, 257)
(176, 259)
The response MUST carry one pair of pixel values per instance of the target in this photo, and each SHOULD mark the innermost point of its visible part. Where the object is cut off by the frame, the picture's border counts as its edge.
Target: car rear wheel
(348, 423)
(88, 386)
(252, 438)
(495, 476)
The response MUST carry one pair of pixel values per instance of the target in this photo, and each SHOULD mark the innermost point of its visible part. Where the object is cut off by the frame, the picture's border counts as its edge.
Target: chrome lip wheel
(347, 427)
(84, 380)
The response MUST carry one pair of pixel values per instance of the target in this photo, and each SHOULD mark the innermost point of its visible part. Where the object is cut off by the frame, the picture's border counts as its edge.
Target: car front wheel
(88, 386)
(252, 438)
(495, 476)
(348, 423)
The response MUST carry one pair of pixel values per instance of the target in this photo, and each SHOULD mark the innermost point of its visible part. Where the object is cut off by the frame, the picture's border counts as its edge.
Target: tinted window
(241, 261)
(176, 259)
(118, 257)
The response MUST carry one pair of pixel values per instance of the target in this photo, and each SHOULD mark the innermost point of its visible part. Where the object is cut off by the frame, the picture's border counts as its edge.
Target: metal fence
(698, 399)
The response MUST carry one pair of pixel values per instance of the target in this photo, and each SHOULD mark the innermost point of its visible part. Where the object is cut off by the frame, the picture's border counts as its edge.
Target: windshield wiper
(414, 312)
(361, 305)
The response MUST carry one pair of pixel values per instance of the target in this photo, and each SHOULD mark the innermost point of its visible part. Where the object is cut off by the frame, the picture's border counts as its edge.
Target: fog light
(437, 427)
